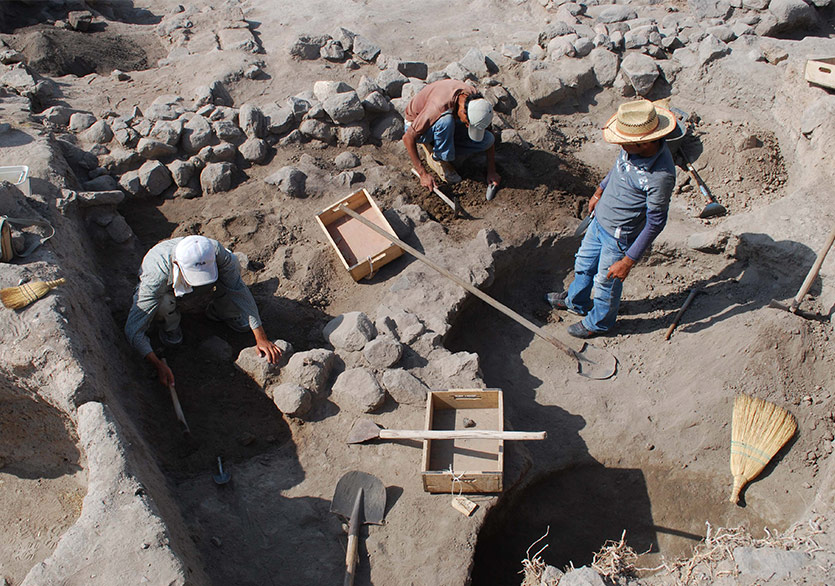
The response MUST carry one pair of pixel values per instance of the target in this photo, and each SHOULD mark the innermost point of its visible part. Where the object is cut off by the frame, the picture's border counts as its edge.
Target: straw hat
(638, 121)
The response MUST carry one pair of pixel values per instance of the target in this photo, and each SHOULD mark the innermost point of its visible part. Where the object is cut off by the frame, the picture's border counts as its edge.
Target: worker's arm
(493, 178)
(164, 374)
(410, 141)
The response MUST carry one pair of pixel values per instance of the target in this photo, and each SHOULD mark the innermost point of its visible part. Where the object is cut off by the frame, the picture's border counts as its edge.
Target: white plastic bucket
(17, 175)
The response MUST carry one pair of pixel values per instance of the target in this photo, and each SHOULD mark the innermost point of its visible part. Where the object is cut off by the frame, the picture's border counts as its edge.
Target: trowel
(492, 188)
(222, 476)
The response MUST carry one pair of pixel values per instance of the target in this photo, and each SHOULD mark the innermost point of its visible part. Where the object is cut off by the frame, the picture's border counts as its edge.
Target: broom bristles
(759, 430)
(23, 295)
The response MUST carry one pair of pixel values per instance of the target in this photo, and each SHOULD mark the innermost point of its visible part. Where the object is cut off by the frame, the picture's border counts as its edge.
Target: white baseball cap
(196, 256)
(479, 115)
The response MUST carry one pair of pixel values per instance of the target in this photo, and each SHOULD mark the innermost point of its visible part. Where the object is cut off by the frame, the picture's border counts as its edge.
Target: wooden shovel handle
(422, 434)
(680, 312)
(462, 283)
(813, 273)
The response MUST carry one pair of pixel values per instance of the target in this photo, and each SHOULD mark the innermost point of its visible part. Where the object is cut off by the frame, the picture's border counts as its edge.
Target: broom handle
(813, 273)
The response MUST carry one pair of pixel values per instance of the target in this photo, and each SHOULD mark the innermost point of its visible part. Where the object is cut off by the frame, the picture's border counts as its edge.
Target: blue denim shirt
(636, 199)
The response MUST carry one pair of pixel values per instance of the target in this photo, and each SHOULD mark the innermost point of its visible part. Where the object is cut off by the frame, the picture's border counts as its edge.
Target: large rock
(365, 49)
(605, 65)
(254, 150)
(228, 131)
(149, 148)
(640, 71)
(154, 177)
(617, 13)
(216, 177)
(323, 90)
(237, 39)
(376, 103)
(279, 119)
(381, 352)
(197, 134)
(582, 576)
(251, 120)
(290, 180)
(167, 131)
(344, 108)
(310, 369)
(78, 121)
(181, 172)
(475, 61)
(318, 130)
(356, 134)
(391, 81)
(308, 46)
(258, 367)
(356, 389)
(792, 15)
(332, 51)
(99, 133)
(711, 49)
(416, 69)
(546, 87)
(554, 30)
(404, 387)
(165, 107)
(291, 399)
(706, 9)
(350, 331)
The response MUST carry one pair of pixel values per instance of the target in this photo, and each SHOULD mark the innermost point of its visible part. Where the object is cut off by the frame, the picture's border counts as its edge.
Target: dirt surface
(645, 451)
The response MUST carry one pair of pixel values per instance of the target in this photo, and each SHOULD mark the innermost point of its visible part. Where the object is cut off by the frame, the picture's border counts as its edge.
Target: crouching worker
(449, 120)
(630, 210)
(189, 274)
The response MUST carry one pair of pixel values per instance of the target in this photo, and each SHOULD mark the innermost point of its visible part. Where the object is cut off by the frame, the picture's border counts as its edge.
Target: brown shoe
(445, 171)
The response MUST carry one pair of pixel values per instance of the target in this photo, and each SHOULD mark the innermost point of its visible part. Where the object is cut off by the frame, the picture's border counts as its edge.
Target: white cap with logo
(479, 116)
(196, 257)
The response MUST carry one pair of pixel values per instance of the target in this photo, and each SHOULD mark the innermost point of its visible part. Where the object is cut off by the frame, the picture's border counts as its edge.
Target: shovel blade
(595, 363)
(373, 500)
(712, 210)
(363, 431)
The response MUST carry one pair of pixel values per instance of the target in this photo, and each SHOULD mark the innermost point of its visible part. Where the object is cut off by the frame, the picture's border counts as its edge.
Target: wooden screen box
(361, 250)
(477, 464)
(821, 72)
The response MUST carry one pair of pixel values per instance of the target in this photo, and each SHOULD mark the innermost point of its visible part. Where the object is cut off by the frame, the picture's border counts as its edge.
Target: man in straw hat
(630, 210)
(449, 120)
(187, 274)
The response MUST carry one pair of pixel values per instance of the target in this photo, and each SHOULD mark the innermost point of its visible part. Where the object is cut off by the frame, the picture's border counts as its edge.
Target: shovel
(360, 498)
(222, 476)
(713, 208)
(365, 430)
(592, 362)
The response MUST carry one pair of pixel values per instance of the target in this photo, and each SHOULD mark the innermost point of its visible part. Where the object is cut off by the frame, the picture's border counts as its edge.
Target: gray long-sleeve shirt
(156, 279)
(636, 198)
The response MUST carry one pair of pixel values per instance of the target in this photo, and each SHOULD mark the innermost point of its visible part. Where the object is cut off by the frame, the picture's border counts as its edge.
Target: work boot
(558, 301)
(445, 171)
(238, 324)
(171, 338)
(578, 330)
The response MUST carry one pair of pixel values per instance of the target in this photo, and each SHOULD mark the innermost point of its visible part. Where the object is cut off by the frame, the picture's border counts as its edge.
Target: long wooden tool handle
(680, 313)
(813, 273)
(353, 541)
(422, 434)
(480, 294)
(178, 410)
(695, 175)
(439, 193)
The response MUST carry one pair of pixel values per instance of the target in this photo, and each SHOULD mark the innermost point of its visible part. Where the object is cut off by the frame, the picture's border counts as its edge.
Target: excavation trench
(592, 479)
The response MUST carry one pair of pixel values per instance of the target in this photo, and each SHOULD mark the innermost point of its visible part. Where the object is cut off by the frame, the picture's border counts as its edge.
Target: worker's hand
(620, 269)
(428, 181)
(268, 349)
(264, 346)
(493, 178)
(165, 375)
(595, 199)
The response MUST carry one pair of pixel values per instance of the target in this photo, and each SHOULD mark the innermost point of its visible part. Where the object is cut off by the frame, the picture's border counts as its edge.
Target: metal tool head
(373, 502)
(594, 362)
(363, 430)
(584, 225)
(712, 210)
(222, 476)
(491, 191)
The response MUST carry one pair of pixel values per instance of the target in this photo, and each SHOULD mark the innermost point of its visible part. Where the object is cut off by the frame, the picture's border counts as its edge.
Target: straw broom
(23, 295)
(759, 430)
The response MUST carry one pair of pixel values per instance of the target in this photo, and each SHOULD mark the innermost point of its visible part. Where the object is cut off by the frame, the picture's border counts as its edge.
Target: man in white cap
(449, 120)
(187, 273)
(630, 210)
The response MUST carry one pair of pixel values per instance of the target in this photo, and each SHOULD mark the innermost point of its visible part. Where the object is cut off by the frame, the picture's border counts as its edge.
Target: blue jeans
(450, 140)
(598, 251)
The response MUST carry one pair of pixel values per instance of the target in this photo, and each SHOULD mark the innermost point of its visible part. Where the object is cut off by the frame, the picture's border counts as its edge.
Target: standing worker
(186, 274)
(630, 209)
(449, 120)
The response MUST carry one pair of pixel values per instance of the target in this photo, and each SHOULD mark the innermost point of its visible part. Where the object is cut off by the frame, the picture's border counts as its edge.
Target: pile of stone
(607, 45)
(192, 30)
(343, 47)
